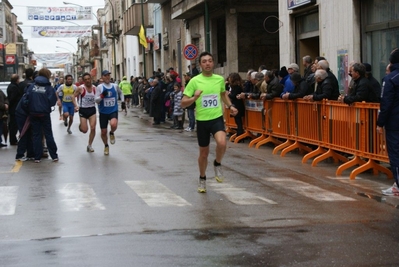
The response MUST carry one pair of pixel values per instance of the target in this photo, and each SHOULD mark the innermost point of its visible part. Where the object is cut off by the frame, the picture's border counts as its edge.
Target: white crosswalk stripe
(238, 195)
(308, 190)
(8, 199)
(79, 196)
(156, 194)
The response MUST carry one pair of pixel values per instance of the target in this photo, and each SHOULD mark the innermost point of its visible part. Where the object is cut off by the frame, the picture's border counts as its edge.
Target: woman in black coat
(236, 88)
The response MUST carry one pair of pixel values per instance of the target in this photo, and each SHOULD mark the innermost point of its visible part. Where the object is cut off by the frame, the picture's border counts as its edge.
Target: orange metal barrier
(324, 129)
(229, 122)
(253, 119)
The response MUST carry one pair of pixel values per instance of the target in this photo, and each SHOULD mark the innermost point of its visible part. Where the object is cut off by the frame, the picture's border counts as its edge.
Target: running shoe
(201, 185)
(188, 129)
(55, 160)
(21, 159)
(69, 131)
(90, 149)
(112, 138)
(106, 150)
(392, 191)
(37, 160)
(219, 174)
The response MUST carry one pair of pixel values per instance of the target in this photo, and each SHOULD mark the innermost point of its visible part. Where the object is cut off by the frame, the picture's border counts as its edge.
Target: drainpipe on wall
(207, 34)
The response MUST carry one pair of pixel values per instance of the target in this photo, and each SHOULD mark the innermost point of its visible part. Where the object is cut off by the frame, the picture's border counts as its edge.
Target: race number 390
(210, 101)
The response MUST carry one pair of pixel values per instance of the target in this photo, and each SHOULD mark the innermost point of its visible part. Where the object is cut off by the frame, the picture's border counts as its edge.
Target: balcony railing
(132, 19)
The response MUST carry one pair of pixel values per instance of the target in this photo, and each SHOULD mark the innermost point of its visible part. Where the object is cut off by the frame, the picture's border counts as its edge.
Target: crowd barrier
(320, 130)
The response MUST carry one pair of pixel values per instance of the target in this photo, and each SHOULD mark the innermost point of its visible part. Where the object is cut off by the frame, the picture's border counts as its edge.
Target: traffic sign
(10, 59)
(190, 52)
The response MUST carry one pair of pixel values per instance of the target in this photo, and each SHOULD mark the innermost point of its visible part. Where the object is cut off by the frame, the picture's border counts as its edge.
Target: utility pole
(142, 22)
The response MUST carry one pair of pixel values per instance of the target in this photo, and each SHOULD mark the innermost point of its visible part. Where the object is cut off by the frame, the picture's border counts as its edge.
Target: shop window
(381, 26)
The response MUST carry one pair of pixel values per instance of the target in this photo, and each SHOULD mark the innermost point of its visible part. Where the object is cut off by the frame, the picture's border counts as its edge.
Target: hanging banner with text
(60, 31)
(59, 13)
(55, 60)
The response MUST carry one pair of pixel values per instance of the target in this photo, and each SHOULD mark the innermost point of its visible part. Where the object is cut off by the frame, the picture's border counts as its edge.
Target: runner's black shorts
(128, 96)
(104, 118)
(206, 128)
(87, 112)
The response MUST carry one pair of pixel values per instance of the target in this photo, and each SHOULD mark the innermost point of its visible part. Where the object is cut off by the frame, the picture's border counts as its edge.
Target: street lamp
(66, 42)
(142, 22)
(113, 37)
(64, 48)
(73, 4)
(63, 20)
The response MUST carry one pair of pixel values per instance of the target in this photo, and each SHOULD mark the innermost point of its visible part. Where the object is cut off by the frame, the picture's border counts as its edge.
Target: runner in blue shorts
(68, 101)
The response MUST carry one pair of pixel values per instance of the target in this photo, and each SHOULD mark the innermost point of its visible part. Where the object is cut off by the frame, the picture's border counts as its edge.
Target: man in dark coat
(156, 102)
(361, 87)
(388, 118)
(41, 98)
(274, 87)
(14, 94)
(325, 88)
(374, 83)
(3, 112)
(301, 88)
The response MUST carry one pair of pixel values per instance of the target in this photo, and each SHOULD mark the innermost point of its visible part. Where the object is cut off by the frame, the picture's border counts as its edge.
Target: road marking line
(79, 196)
(8, 199)
(308, 190)
(156, 194)
(15, 168)
(238, 195)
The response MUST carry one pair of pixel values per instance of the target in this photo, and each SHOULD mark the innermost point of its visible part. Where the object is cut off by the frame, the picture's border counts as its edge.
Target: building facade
(243, 34)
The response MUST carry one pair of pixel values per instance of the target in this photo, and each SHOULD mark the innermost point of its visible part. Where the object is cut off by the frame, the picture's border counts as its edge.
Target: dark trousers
(191, 118)
(240, 128)
(136, 99)
(42, 125)
(392, 139)
(25, 142)
(12, 129)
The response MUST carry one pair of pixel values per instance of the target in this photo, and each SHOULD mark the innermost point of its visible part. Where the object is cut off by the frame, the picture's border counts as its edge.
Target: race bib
(210, 101)
(68, 98)
(109, 102)
(88, 101)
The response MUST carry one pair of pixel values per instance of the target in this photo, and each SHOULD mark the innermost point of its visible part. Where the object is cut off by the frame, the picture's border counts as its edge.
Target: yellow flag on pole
(143, 39)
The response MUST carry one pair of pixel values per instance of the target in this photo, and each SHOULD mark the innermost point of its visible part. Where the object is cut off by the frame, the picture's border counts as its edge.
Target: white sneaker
(219, 174)
(201, 185)
(188, 129)
(392, 191)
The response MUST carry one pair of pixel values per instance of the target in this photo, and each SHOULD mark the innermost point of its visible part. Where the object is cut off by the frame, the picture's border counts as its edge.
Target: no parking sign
(190, 52)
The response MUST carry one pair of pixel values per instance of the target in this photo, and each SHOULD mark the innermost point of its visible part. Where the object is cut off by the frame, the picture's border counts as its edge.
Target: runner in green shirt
(126, 88)
(208, 92)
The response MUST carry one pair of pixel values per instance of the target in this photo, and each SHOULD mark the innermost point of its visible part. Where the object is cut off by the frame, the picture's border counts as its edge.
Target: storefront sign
(291, 4)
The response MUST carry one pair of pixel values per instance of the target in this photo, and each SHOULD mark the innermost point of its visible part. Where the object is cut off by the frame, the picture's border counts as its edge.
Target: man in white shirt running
(86, 94)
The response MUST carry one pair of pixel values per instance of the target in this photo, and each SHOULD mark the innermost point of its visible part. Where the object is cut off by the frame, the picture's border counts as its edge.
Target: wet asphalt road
(139, 206)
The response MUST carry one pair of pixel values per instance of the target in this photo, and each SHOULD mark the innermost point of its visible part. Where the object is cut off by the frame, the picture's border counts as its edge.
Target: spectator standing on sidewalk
(190, 109)
(41, 98)
(388, 118)
(14, 94)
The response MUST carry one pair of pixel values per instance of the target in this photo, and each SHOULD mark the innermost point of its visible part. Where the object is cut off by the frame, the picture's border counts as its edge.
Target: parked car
(3, 87)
